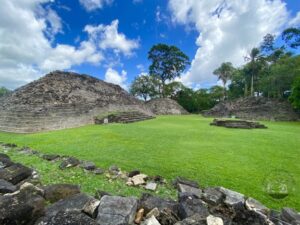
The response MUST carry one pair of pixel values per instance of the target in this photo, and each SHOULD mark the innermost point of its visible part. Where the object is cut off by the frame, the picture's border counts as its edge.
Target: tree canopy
(168, 62)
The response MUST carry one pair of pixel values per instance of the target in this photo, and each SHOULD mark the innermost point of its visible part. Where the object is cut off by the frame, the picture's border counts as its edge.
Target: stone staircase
(124, 117)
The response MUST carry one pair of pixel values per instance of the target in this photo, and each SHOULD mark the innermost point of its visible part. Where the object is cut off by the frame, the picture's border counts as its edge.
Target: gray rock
(20, 208)
(289, 215)
(69, 162)
(151, 186)
(115, 210)
(73, 203)
(183, 188)
(149, 202)
(181, 180)
(190, 205)
(252, 204)
(56, 192)
(67, 218)
(99, 171)
(15, 173)
(250, 217)
(232, 198)
(114, 170)
(88, 165)
(6, 187)
(167, 217)
(154, 212)
(50, 157)
(193, 220)
(151, 221)
(212, 220)
(212, 196)
(91, 208)
(5, 161)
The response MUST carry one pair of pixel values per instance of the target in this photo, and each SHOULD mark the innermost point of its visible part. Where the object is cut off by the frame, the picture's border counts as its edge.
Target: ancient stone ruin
(165, 106)
(241, 124)
(255, 108)
(63, 100)
(24, 200)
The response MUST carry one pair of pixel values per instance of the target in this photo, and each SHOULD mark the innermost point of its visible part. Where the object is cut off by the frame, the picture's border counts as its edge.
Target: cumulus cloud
(228, 29)
(91, 5)
(113, 76)
(295, 22)
(27, 47)
(108, 37)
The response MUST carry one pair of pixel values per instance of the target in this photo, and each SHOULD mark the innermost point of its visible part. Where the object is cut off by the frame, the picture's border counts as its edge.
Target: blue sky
(110, 39)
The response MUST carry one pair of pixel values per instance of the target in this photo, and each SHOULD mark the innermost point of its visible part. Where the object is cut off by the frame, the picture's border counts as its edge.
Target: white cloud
(27, 47)
(295, 22)
(91, 5)
(113, 76)
(108, 37)
(227, 30)
(140, 67)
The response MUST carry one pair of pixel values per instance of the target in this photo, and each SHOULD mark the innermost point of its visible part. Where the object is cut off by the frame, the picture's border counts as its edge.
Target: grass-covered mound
(242, 160)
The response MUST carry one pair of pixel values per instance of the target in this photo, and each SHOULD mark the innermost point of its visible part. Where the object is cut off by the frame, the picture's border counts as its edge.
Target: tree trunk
(252, 88)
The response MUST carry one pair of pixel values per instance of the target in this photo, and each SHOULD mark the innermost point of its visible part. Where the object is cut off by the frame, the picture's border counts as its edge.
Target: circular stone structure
(165, 106)
(63, 100)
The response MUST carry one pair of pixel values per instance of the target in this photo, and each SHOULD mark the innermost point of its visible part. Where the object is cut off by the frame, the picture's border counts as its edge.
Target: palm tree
(253, 57)
(224, 73)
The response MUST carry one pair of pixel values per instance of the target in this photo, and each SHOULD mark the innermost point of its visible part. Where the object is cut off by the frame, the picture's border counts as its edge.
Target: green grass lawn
(170, 146)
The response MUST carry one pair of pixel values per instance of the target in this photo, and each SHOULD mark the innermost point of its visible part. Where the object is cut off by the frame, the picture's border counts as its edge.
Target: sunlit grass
(173, 146)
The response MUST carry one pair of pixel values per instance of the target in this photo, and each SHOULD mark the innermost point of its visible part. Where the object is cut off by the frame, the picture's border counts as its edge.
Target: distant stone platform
(241, 124)
(62, 100)
(165, 106)
(254, 108)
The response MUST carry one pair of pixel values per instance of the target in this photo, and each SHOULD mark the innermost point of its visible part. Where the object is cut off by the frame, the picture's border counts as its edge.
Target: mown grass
(170, 146)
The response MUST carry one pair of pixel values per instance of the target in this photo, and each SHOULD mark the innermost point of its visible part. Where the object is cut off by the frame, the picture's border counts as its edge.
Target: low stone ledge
(241, 124)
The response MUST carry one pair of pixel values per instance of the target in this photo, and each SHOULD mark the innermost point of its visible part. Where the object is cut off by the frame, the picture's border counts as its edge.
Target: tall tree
(145, 87)
(254, 66)
(224, 73)
(291, 36)
(168, 62)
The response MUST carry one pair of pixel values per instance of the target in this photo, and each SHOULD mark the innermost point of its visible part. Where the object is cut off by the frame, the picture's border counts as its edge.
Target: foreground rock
(24, 204)
(241, 124)
(114, 210)
(15, 173)
(6, 187)
(21, 208)
(56, 192)
(69, 162)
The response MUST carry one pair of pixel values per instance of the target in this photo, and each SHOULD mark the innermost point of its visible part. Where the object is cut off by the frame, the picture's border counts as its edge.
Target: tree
(291, 36)
(254, 66)
(4, 91)
(224, 73)
(295, 96)
(172, 88)
(168, 62)
(145, 87)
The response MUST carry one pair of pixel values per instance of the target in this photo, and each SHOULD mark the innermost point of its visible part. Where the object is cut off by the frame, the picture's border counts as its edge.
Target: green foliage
(173, 146)
(224, 73)
(168, 62)
(145, 87)
(295, 96)
(292, 37)
(4, 91)
(199, 100)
